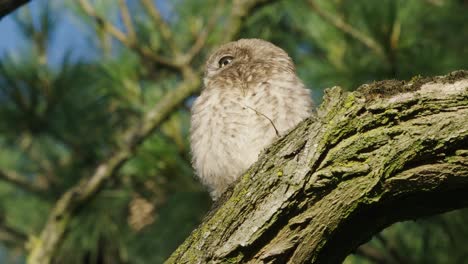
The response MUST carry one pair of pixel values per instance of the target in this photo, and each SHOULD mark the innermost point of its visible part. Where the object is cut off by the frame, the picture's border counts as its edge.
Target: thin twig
(394, 39)
(21, 182)
(265, 116)
(127, 20)
(119, 35)
(372, 254)
(391, 249)
(437, 3)
(166, 32)
(203, 35)
(113, 30)
(10, 235)
(348, 29)
(146, 52)
(239, 11)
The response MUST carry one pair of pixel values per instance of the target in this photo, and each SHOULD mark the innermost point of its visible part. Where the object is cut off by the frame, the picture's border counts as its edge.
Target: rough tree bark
(390, 151)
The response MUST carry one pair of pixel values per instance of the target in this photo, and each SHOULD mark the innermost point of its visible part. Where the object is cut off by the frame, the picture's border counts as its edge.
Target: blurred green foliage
(60, 121)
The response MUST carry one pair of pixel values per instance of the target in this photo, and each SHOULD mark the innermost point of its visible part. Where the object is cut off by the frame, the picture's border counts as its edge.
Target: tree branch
(348, 29)
(166, 31)
(11, 236)
(128, 41)
(8, 6)
(203, 35)
(390, 151)
(392, 251)
(372, 254)
(21, 182)
(127, 20)
(44, 247)
(239, 11)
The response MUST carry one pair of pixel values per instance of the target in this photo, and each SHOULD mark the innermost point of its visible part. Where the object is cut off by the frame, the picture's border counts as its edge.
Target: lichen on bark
(388, 152)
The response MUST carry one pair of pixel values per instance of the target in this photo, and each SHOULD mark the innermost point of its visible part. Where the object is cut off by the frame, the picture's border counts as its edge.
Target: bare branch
(393, 252)
(8, 6)
(54, 230)
(437, 3)
(166, 32)
(12, 236)
(146, 52)
(348, 29)
(124, 39)
(21, 182)
(203, 35)
(127, 20)
(106, 25)
(239, 11)
(372, 254)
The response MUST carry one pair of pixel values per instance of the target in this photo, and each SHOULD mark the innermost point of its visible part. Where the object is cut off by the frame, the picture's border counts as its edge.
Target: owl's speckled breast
(232, 133)
(252, 95)
(231, 126)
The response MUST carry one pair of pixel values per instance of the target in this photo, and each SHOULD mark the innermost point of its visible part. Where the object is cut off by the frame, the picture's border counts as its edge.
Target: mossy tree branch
(390, 151)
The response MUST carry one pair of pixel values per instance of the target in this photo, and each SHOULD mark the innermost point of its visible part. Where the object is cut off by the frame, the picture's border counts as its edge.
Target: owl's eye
(225, 61)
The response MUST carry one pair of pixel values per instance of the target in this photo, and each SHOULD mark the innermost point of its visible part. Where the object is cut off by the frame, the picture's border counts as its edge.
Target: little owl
(251, 96)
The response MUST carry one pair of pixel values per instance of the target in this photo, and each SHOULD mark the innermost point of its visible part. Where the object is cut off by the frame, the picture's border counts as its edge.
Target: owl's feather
(243, 107)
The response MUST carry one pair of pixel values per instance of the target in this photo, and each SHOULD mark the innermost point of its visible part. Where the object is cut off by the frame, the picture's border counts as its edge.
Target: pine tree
(61, 121)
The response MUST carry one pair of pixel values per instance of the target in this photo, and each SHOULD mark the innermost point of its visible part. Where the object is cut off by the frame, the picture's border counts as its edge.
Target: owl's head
(246, 60)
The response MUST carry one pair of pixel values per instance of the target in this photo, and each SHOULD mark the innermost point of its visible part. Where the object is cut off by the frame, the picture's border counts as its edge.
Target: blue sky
(71, 33)
(68, 35)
